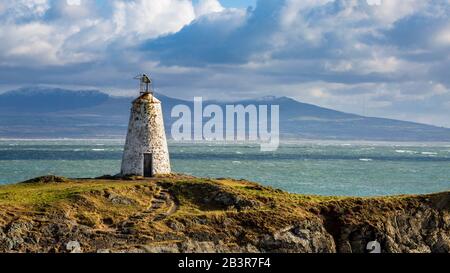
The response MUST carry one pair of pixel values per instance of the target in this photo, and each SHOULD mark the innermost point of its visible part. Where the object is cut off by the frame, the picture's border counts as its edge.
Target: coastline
(182, 213)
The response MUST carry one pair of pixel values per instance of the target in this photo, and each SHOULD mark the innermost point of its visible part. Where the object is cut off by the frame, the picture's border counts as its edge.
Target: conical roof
(147, 96)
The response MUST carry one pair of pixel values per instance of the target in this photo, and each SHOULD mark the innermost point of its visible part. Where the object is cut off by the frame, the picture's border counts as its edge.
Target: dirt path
(161, 206)
(164, 205)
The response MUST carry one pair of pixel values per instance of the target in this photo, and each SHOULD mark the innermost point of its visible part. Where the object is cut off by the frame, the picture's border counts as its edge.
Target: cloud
(22, 43)
(390, 56)
(205, 41)
(52, 32)
(328, 47)
(73, 2)
(288, 29)
(207, 6)
(442, 37)
(150, 19)
(23, 10)
(390, 11)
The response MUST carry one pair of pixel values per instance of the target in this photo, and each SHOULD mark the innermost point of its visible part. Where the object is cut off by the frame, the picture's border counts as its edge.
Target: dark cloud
(230, 37)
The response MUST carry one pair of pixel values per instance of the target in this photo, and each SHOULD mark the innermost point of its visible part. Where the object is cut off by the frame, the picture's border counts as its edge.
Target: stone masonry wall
(145, 135)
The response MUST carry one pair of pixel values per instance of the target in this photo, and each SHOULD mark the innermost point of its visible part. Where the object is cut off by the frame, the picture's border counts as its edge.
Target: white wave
(98, 150)
(405, 151)
(429, 153)
(366, 159)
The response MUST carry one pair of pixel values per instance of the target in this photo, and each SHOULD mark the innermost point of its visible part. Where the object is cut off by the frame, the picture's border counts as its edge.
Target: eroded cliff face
(188, 214)
(409, 224)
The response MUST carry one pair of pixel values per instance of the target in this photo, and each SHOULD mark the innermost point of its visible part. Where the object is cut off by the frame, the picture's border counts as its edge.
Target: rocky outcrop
(187, 214)
(309, 236)
(416, 225)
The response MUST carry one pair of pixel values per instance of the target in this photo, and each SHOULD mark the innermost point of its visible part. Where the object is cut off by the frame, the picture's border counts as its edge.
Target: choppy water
(313, 168)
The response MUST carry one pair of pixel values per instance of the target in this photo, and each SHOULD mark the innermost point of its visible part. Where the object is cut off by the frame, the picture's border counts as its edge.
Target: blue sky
(237, 3)
(373, 57)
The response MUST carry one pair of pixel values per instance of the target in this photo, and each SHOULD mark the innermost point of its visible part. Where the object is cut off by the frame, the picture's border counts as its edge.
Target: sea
(306, 167)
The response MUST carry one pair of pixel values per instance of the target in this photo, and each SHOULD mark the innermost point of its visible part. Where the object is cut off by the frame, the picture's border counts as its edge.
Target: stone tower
(146, 153)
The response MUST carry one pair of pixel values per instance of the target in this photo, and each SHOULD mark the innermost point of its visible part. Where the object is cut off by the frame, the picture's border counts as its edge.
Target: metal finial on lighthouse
(145, 83)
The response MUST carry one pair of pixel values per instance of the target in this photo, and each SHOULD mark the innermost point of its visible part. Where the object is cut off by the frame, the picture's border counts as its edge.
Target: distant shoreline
(285, 142)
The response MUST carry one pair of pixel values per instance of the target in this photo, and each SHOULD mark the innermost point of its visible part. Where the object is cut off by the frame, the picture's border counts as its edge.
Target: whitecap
(429, 153)
(366, 159)
(405, 151)
(98, 150)
(236, 162)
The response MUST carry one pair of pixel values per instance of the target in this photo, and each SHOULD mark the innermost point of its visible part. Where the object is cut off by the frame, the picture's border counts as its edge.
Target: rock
(73, 247)
(231, 200)
(170, 248)
(120, 200)
(175, 225)
(132, 250)
(194, 246)
(103, 251)
(419, 230)
(46, 179)
(307, 237)
(19, 227)
(16, 233)
(6, 243)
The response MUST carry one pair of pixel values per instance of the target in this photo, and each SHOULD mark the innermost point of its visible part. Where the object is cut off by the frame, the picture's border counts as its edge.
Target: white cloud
(442, 37)
(74, 31)
(292, 9)
(29, 42)
(207, 6)
(390, 11)
(74, 10)
(150, 19)
(12, 10)
(73, 2)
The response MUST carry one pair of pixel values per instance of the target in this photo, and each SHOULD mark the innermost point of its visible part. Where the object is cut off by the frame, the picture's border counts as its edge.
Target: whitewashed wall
(145, 135)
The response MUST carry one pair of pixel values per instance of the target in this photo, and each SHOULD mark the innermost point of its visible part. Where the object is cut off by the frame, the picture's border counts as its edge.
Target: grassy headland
(187, 214)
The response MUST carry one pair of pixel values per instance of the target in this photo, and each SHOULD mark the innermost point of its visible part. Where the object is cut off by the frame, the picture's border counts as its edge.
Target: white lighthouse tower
(145, 153)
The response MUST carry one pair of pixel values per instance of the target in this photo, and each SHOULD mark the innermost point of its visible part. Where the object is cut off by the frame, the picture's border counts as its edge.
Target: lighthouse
(145, 152)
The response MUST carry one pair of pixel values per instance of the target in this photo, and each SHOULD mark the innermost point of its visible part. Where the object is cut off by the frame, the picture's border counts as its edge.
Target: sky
(385, 58)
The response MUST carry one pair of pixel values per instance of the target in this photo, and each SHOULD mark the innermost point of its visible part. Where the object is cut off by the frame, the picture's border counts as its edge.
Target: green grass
(36, 194)
(189, 192)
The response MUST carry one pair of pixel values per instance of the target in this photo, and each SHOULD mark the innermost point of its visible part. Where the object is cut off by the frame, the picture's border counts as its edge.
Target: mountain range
(38, 112)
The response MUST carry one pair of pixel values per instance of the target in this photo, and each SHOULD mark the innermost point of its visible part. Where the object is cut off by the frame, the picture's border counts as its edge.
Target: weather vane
(145, 83)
